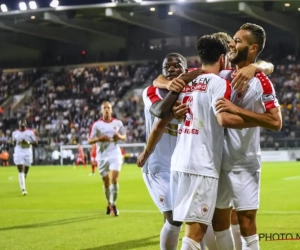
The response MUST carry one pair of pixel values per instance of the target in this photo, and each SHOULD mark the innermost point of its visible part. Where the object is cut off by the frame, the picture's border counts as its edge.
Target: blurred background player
(80, 156)
(23, 138)
(105, 133)
(93, 158)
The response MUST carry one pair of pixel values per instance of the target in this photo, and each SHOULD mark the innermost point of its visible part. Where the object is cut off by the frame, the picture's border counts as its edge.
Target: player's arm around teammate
(271, 119)
(163, 108)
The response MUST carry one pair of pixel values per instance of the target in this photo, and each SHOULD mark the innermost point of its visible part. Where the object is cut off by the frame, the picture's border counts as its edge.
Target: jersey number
(188, 119)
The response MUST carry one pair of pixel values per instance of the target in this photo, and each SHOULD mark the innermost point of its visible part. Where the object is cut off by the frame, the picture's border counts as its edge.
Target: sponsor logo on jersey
(204, 209)
(199, 84)
(162, 199)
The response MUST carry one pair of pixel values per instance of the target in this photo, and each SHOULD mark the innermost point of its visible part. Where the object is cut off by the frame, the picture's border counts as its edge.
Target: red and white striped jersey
(242, 147)
(160, 159)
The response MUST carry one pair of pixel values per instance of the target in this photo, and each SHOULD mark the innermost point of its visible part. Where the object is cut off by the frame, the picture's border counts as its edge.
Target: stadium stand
(64, 104)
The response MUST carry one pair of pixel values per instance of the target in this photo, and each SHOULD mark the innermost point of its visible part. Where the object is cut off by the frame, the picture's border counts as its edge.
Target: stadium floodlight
(4, 8)
(54, 4)
(22, 6)
(181, 0)
(138, 1)
(32, 5)
(170, 13)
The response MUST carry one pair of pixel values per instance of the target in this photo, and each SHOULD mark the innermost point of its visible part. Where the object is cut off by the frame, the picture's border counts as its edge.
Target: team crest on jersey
(162, 199)
(204, 209)
(241, 94)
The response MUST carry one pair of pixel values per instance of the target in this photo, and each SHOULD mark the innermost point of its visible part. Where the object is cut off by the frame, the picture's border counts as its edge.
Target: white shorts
(193, 197)
(158, 186)
(24, 160)
(104, 166)
(93, 159)
(239, 188)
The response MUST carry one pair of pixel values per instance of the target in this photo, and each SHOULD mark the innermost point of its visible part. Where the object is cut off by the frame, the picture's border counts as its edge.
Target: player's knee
(114, 180)
(221, 219)
(169, 217)
(247, 221)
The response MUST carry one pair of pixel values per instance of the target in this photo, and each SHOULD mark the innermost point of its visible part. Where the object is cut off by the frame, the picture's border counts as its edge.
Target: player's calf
(247, 221)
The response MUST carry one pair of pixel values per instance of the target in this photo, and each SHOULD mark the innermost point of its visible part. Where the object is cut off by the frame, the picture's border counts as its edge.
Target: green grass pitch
(64, 210)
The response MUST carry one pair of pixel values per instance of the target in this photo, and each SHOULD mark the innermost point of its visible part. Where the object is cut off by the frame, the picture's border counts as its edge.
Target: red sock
(93, 169)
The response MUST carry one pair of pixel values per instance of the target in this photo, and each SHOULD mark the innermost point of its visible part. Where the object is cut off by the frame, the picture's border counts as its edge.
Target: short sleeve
(268, 98)
(151, 95)
(122, 130)
(32, 136)
(93, 131)
(221, 89)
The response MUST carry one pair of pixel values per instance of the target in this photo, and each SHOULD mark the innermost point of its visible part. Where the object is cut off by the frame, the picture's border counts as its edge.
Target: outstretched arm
(162, 109)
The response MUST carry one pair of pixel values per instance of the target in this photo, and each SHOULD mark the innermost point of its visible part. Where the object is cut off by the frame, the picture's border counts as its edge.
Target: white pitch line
(292, 178)
(122, 211)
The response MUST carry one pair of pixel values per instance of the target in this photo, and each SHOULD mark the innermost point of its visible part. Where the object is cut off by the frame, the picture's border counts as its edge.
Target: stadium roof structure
(78, 24)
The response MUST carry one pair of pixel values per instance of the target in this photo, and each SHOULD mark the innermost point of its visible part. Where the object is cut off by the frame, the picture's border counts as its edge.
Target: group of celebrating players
(203, 141)
(202, 156)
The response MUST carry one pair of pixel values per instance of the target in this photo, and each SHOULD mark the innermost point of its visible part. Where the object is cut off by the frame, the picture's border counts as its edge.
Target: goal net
(68, 153)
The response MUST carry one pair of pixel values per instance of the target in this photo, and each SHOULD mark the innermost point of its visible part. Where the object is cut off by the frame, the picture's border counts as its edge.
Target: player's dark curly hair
(181, 57)
(210, 48)
(258, 35)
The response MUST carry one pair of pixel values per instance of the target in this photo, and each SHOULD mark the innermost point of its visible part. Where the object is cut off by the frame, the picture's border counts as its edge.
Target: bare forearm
(93, 140)
(228, 120)
(123, 137)
(160, 82)
(265, 67)
(190, 76)
(162, 109)
(265, 120)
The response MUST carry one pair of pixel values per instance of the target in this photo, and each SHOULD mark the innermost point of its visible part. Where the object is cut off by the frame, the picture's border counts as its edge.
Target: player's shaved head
(180, 57)
(174, 64)
(22, 123)
(105, 103)
(211, 48)
(106, 110)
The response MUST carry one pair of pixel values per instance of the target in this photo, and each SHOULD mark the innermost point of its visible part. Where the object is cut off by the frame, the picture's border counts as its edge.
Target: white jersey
(107, 150)
(23, 148)
(201, 138)
(160, 159)
(242, 147)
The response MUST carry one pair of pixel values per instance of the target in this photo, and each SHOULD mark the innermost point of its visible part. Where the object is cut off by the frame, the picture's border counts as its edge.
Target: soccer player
(93, 158)
(105, 133)
(80, 156)
(194, 177)
(23, 138)
(156, 158)
(242, 77)
(241, 165)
